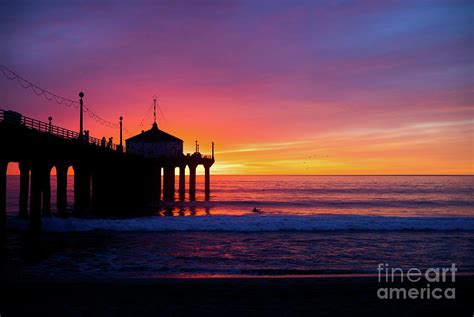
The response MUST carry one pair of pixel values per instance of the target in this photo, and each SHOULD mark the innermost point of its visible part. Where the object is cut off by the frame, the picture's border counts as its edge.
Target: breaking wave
(253, 223)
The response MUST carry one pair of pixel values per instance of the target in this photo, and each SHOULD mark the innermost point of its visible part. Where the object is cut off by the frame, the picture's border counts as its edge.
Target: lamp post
(121, 145)
(81, 126)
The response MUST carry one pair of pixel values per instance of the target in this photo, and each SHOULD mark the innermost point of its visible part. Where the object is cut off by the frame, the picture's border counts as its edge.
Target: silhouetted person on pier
(102, 142)
(86, 136)
(109, 144)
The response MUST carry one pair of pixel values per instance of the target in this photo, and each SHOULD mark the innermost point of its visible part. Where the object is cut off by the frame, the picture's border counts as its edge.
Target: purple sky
(271, 82)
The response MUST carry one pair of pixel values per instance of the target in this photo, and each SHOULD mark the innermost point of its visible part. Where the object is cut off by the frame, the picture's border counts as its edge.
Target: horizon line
(311, 175)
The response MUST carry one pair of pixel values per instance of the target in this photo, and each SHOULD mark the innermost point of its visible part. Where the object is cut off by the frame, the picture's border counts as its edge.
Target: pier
(108, 179)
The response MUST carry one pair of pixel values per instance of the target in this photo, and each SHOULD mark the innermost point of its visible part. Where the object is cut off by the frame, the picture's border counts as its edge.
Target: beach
(223, 296)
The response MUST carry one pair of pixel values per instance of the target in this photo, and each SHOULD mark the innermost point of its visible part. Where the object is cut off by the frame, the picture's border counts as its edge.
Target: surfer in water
(257, 210)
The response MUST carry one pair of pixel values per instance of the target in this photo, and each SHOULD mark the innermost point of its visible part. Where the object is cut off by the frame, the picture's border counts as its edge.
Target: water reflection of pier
(191, 210)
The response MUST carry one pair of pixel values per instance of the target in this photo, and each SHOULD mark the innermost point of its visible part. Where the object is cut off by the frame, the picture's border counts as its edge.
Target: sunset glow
(317, 88)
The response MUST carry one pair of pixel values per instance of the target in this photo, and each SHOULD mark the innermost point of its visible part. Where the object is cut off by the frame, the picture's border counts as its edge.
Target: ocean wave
(326, 203)
(349, 203)
(404, 191)
(252, 223)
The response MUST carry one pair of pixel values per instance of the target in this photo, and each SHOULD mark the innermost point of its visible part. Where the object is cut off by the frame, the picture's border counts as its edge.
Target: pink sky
(281, 87)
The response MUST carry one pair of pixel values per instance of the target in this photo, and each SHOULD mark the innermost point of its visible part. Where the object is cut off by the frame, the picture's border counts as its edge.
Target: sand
(348, 296)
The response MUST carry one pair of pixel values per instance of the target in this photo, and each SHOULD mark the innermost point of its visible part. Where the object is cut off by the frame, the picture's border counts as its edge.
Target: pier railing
(12, 117)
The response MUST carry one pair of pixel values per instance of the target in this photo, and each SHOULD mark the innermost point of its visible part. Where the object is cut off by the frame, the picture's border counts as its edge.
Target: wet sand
(349, 296)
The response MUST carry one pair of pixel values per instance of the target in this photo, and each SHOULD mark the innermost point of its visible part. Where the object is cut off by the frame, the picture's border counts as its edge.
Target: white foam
(253, 223)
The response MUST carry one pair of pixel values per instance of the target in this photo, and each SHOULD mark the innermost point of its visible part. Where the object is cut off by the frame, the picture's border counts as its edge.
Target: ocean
(308, 226)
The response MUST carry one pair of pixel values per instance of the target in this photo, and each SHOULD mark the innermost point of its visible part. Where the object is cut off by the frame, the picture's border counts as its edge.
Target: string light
(11, 75)
(142, 121)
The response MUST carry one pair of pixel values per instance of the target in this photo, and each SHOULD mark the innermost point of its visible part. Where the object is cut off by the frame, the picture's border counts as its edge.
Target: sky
(281, 87)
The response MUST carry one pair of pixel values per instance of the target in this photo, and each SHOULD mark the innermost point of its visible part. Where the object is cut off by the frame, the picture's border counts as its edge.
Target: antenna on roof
(154, 109)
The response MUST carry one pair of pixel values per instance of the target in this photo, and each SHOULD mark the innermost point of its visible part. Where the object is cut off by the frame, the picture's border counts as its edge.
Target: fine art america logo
(429, 282)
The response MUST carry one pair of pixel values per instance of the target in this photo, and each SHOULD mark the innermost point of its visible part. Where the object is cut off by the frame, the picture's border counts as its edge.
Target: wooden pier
(108, 181)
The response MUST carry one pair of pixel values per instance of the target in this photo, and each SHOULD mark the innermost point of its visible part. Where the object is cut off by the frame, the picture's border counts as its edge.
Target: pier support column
(156, 184)
(165, 184)
(104, 190)
(146, 181)
(207, 181)
(38, 172)
(24, 189)
(192, 182)
(87, 188)
(78, 208)
(61, 194)
(46, 184)
(182, 182)
(168, 182)
(3, 198)
(82, 189)
(95, 195)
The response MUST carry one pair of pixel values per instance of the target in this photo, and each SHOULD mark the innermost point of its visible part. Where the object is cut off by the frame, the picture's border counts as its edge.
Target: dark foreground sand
(348, 296)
